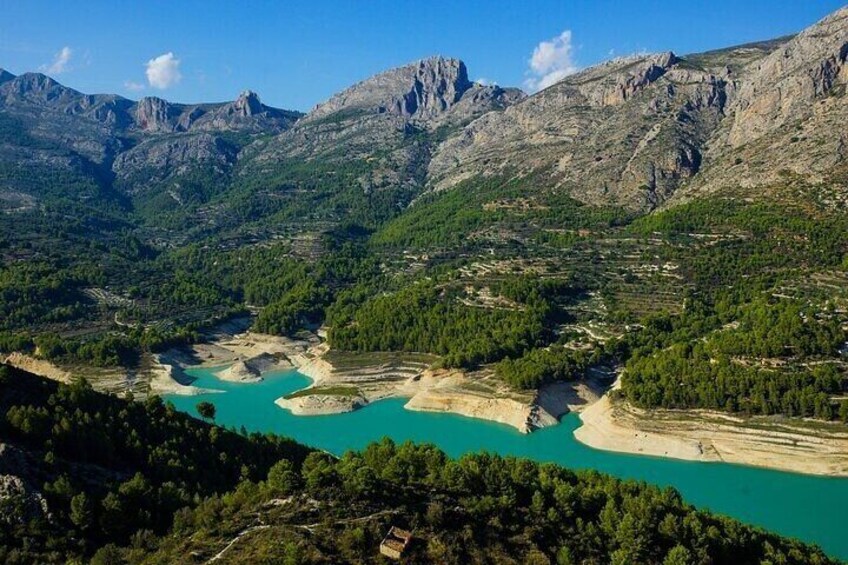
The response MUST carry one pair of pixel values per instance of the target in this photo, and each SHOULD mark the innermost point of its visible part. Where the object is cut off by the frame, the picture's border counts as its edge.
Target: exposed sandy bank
(36, 366)
(167, 377)
(477, 394)
(816, 448)
(320, 404)
(456, 392)
(242, 357)
(261, 351)
(240, 372)
(481, 395)
(503, 410)
(251, 370)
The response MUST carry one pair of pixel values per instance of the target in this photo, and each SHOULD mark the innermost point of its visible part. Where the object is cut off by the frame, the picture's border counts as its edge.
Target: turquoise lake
(814, 509)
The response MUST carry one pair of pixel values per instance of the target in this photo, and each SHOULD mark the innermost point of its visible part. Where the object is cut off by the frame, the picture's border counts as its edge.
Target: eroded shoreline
(815, 448)
(346, 382)
(806, 447)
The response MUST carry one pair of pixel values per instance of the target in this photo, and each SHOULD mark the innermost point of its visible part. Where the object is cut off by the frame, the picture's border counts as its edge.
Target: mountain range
(636, 132)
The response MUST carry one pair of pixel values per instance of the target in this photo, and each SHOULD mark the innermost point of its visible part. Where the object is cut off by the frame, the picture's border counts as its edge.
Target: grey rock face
(389, 121)
(155, 115)
(173, 156)
(786, 119)
(625, 132)
(784, 85)
(421, 90)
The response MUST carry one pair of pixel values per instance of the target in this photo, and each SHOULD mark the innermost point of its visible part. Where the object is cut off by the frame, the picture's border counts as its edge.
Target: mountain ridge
(630, 132)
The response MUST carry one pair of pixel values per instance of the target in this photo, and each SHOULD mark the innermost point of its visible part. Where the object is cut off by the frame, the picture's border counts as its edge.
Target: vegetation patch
(326, 391)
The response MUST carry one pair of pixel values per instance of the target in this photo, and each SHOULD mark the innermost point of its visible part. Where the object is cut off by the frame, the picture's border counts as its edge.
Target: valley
(640, 269)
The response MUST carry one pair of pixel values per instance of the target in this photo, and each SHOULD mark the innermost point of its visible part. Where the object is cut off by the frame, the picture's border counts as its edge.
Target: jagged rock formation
(635, 132)
(391, 120)
(22, 501)
(786, 120)
(246, 113)
(626, 132)
(425, 93)
(146, 146)
(153, 114)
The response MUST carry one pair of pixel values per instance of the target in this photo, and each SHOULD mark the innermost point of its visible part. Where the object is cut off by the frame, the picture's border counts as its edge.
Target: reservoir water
(810, 508)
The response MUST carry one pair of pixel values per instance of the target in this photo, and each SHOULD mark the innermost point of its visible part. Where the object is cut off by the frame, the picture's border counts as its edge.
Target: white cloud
(133, 86)
(551, 62)
(486, 82)
(60, 62)
(163, 71)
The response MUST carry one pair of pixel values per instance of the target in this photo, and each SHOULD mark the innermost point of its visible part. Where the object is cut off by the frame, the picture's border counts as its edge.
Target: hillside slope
(633, 131)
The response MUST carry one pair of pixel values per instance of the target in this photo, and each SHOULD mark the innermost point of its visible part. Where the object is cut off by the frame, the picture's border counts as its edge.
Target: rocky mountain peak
(37, 86)
(5, 76)
(439, 83)
(420, 90)
(153, 114)
(247, 104)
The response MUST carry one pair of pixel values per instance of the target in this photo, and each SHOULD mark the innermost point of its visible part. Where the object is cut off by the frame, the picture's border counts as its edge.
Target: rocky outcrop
(616, 81)
(21, 503)
(421, 90)
(154, 115)
(387, 126)
(427, 93)
(784, 86)
(20, 500)
(246, 105)
(251, 369)
(626, 133)
(246, 113)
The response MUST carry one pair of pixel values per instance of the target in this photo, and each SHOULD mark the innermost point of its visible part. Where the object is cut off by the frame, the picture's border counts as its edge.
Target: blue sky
(296, 53)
